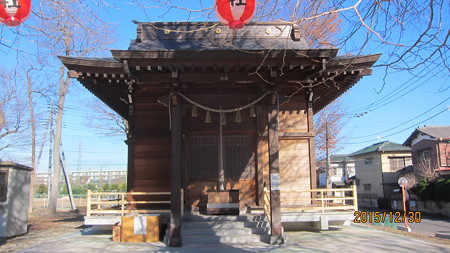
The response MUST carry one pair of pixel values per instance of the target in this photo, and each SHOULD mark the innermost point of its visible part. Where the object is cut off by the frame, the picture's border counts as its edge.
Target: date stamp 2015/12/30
(392, 217)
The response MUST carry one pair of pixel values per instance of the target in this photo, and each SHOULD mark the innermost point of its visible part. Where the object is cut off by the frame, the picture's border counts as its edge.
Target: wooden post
(312, 153)
(88, 203)
(122, 204)
(221, 180)
(175, 184)
(274, 170)
(355, 198)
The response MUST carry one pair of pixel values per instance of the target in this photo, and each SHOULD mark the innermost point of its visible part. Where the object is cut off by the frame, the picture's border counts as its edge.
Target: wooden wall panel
(293, 121)
(151, 163)
(294, 170)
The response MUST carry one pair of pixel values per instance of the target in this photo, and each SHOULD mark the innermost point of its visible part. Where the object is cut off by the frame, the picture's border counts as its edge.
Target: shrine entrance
(239, 164)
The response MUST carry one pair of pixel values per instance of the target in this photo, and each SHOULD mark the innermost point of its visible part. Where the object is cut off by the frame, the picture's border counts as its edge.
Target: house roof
(436, 132)
(385, 146)
(201, 55)
(341, 158)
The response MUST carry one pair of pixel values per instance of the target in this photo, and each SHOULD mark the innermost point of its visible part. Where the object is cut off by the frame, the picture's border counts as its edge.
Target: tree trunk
(63, 86)
(33, 141)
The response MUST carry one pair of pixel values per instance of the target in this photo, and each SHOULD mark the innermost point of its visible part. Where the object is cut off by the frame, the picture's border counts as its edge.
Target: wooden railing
(119, 202)
(267, 209)
(320, 200)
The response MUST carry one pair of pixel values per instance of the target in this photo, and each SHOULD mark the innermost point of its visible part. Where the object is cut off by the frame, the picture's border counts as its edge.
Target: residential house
(342, 167)
(430, 147)
(378, 169)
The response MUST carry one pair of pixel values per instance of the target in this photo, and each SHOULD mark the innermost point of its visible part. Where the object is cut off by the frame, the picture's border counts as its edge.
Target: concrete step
(221, 232)
(222, 224)
(210, 229)
(214, 218)
(212, 239)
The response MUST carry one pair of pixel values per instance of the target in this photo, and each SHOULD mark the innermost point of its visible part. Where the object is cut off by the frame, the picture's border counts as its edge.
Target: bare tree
(12, 112)
(104, 120)
(412, 179)
(67, 28)
(426, 168)
(330, 117)
(412, 34)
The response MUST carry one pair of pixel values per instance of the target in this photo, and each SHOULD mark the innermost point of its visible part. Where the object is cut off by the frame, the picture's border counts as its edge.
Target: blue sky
(377, 110)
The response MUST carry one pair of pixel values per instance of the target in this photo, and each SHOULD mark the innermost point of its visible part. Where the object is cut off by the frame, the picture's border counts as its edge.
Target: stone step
(212, 218)
(210, 229)
(222, 224)
(221, 232)
(212, 239)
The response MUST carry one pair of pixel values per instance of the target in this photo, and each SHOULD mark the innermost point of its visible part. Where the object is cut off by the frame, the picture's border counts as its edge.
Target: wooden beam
(175, 184)
(274, 170)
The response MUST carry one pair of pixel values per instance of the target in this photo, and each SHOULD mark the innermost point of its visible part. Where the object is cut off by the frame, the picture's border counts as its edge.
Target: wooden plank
(274, 168)
(152, 188)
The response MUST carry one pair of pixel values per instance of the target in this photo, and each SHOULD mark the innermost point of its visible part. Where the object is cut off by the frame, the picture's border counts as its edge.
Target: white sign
(275, 181)
(140, 225)
(402, 181)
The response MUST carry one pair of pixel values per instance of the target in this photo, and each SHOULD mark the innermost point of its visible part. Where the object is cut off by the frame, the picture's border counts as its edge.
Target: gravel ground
(42, 227)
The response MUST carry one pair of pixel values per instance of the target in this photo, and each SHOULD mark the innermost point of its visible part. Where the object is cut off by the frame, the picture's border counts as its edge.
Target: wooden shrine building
(211, 108)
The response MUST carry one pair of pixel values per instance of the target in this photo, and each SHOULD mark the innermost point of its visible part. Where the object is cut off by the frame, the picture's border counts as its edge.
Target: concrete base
(443, 234)
(275, 240)
(315, 220)
(403, 228)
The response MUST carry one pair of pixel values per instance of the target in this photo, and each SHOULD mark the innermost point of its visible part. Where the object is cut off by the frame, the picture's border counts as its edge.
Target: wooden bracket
(126, 68)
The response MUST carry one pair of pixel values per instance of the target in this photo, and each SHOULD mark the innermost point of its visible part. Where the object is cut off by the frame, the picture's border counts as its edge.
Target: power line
(366, 109)
(408, 128)
(359, 137)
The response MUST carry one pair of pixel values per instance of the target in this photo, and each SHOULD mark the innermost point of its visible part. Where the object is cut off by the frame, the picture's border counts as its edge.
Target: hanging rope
(221, 110)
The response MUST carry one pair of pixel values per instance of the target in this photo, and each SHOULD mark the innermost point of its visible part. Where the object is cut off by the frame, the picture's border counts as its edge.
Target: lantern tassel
(252, 111)
(194, 111)
(238, 117)
(223, 119)
(208, 117)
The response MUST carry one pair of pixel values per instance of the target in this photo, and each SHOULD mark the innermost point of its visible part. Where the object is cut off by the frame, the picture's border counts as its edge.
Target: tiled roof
(341, 158)
(385, 146)
(213, 36)
(436, 132)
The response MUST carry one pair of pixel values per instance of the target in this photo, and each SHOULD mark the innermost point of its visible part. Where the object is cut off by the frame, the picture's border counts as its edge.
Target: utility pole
(328, 181)
(66, 177)
(79, 163)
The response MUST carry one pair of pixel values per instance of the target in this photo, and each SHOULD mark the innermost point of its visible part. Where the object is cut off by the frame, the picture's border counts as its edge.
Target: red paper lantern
(235, 13)
(14, 12)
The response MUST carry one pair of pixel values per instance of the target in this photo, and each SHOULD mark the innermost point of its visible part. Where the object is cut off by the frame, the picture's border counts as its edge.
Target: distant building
(430, 146)
(378, 168)
(98, 178)
(342, 167)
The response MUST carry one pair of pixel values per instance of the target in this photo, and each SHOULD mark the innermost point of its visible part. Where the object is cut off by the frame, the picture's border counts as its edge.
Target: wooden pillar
(312, 153)
(274, 170)
(221, 179)
(130, 142)
(175, 183)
